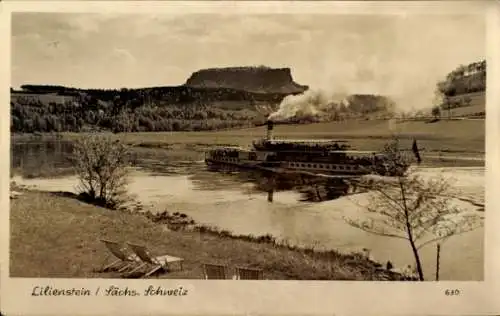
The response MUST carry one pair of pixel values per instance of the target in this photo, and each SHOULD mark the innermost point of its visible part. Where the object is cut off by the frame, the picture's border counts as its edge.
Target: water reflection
(311, 188)
(49, 158)
(31, 158)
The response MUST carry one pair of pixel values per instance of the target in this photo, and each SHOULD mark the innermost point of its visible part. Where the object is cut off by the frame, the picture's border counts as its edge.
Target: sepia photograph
(266, 145)
(280, 147)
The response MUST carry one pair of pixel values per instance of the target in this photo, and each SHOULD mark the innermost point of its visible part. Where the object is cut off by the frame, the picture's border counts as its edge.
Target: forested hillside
(211, 99)
(125, 112)
(194, 106)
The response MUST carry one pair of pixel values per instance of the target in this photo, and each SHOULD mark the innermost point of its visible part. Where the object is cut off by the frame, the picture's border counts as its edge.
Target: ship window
(341, 167)
(309, 165)
(302, 165)
(314, 166)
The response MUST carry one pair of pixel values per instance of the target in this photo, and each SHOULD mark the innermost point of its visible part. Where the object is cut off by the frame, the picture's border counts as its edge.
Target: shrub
(436, 111)
(101, 164)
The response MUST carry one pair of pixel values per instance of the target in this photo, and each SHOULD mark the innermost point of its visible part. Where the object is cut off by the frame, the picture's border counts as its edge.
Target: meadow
(451, 133)
(57, 236)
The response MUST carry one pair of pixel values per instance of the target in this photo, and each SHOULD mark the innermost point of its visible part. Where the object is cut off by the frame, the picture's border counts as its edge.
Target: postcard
(182, 158)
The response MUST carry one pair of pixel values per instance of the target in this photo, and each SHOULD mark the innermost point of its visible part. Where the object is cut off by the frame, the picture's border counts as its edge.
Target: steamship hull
(314, 168)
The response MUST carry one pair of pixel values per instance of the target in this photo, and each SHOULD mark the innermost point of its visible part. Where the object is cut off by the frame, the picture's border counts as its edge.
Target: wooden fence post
(438, 252)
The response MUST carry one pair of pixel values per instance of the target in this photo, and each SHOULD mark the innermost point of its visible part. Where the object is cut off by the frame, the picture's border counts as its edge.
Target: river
(224, 201)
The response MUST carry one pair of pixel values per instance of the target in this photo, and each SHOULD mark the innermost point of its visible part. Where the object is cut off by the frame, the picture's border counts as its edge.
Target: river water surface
(222, 200)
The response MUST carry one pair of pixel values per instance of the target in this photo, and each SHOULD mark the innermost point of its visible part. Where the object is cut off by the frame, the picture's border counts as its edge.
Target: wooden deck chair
(249, 274)
(214, 271)
(123, 260)
(151, 262)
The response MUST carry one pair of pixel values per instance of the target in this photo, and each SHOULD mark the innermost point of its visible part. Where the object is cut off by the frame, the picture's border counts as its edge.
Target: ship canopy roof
(301, 144)
(304, 141)
(366, 152)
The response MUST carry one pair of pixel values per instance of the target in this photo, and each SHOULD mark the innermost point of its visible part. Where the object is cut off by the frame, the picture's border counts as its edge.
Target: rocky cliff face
(250, 79)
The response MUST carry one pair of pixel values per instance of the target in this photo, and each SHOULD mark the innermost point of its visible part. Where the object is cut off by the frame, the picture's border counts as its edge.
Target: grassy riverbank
(58, 236)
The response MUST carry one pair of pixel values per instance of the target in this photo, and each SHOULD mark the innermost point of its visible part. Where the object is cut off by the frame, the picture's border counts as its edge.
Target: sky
(398, 55)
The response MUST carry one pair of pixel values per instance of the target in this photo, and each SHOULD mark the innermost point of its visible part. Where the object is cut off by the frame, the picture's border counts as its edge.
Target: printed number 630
(453, 292)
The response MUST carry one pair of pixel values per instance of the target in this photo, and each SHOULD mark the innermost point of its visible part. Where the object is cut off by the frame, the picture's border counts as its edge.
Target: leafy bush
(101, 166)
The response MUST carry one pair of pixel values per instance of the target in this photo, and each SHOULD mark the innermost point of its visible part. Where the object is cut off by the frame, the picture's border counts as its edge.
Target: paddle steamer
(328, 157)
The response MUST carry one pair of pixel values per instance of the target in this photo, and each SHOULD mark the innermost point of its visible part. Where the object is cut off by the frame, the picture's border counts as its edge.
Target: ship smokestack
(270, 126)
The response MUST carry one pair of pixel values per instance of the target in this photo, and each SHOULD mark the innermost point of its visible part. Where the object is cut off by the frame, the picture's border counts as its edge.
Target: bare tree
(411, 208)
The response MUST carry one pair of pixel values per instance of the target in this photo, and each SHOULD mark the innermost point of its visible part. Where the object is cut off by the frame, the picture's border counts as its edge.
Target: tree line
(31, 115)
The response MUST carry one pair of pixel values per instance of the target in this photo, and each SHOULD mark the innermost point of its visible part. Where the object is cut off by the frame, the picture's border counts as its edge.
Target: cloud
(85, 23)
(123, 56)
(387, 54)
